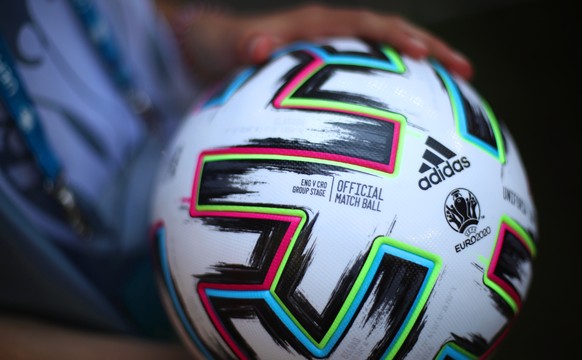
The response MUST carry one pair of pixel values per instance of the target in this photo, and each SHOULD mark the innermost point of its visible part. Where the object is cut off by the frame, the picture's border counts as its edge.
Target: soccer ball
(343, 201)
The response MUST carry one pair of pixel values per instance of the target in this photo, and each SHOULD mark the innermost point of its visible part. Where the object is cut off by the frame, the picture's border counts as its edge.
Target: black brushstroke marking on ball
(398, 283)
(157, 241)
(297, 266)
(367, 138)
(504, 133)
(270, 233)
(513, 256)
(476, 344)
(500, 304)
(364, 139)
(478, 122)
(312, 88)
(304, 57)
(229, 310)
(413, 336)
(498, 301)
(374, 51)
(221, 179)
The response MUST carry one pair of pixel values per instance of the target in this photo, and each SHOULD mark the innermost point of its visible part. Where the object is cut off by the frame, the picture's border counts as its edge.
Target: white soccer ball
(343, 201)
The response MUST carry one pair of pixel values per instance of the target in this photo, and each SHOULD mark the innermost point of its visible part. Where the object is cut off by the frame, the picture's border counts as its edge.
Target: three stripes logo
(440, 163)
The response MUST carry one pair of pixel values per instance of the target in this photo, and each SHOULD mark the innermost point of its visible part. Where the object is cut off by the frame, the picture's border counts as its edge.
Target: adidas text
(437, 175)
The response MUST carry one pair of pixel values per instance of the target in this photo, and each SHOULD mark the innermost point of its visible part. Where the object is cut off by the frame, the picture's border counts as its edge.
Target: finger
(451, 59)
(413, 41)
(313, 21)
(361, 23)
(316, 21)
(260, 47)
(404, 36)
(392, 30)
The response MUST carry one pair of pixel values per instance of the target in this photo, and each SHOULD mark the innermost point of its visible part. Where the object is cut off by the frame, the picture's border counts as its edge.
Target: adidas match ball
(343, 201)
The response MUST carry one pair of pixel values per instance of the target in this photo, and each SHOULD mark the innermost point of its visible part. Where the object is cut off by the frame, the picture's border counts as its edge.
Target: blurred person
(90, 91)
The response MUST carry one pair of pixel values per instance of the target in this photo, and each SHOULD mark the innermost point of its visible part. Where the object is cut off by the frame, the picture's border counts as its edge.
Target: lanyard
(21, 110)
(101, 36)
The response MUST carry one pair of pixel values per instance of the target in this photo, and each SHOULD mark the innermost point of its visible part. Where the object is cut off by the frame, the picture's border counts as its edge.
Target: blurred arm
(28, 339)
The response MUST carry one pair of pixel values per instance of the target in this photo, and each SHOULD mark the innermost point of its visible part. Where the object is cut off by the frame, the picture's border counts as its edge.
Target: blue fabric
(105, 283)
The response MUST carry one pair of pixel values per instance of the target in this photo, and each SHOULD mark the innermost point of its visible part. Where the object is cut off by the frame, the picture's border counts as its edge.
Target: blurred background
(527, 56)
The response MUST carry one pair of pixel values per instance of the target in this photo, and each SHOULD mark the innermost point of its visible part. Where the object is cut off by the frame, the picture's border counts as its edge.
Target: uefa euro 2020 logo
(462, 211)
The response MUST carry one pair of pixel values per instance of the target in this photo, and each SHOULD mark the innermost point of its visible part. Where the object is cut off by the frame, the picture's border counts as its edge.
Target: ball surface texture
(343, 201)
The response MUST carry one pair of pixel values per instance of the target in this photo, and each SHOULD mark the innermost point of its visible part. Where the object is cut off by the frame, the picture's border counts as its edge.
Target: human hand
(217, 42)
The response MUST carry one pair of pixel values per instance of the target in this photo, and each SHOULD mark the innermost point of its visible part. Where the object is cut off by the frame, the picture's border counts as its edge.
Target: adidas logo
(438, 160)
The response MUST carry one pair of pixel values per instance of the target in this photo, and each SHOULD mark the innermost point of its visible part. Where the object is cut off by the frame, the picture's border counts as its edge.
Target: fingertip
(467, 73)
(462, 66)
(260, 48)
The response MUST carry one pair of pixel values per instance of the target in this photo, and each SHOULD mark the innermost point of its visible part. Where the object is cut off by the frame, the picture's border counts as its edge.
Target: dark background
(528, 62)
